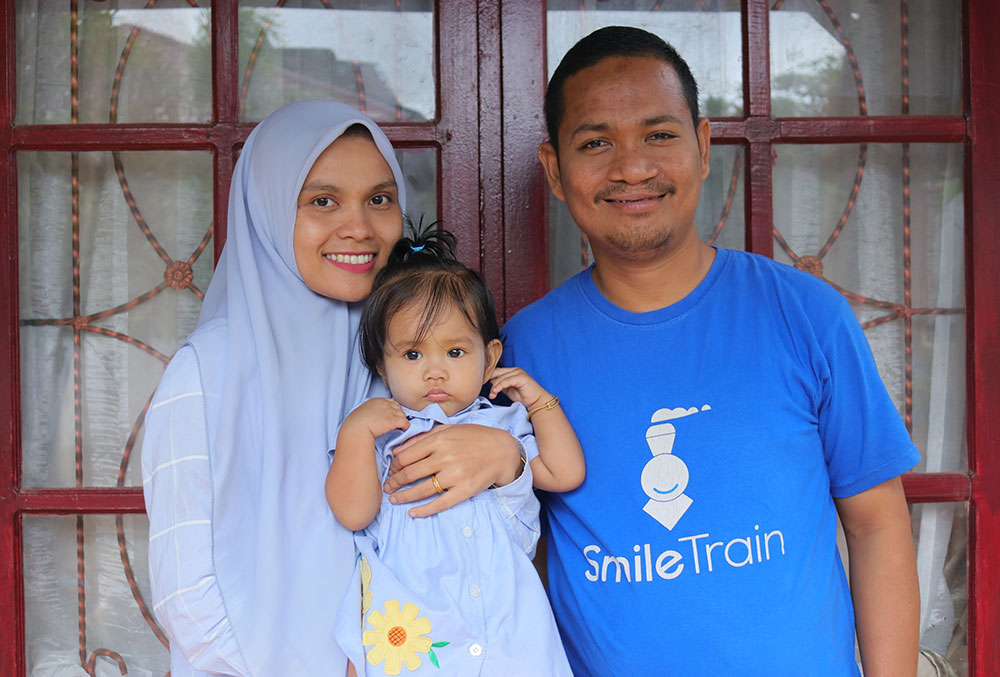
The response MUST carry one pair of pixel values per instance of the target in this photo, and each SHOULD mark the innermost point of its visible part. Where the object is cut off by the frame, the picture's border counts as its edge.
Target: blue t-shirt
(717, 432)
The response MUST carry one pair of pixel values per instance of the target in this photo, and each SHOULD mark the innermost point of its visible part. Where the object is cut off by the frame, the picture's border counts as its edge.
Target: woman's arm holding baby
(559, 465)
(353, 489)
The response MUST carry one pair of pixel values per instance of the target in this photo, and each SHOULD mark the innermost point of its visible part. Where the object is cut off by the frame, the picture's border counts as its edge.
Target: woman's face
(348, 219)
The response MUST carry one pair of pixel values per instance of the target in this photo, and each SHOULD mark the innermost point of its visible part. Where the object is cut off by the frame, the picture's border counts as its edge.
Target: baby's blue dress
(455, 593)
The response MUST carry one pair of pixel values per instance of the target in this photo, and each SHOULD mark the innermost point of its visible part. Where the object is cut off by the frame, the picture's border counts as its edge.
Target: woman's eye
(411, 355)
(323, 202)
(456, 352)
(380, 200)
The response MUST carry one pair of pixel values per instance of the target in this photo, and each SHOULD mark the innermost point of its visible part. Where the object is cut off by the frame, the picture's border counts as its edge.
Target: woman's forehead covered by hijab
(282, 150)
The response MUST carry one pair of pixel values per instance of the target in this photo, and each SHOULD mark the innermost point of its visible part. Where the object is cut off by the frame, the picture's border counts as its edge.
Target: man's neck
(644, 286)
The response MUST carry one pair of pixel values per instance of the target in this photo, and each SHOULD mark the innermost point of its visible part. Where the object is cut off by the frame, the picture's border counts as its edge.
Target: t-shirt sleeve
(177, 487)
(864, 439)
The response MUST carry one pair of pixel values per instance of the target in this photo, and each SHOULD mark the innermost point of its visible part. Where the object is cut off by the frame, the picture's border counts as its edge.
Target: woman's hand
(466, 458)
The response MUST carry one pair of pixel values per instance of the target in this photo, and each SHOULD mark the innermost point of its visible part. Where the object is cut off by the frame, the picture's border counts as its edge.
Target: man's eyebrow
(590, 127)
(660, 119)
(601, 127)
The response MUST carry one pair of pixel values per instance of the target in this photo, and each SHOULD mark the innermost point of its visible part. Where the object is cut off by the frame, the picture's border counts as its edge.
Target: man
(728, 407)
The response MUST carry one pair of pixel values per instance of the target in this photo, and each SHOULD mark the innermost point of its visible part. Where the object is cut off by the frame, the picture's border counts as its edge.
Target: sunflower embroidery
(396, 638)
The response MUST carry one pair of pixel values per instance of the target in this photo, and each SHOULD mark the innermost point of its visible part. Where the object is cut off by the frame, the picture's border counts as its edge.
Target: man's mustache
(618, 189)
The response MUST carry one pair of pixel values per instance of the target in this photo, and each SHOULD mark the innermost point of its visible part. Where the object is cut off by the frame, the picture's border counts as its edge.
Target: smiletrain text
(705, 555)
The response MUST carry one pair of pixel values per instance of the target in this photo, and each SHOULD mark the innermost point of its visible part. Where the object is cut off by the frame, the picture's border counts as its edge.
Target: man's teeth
(350, 258)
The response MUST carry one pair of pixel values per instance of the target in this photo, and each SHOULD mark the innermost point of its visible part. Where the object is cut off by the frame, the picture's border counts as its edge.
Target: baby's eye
(456, 352)
(411, 355)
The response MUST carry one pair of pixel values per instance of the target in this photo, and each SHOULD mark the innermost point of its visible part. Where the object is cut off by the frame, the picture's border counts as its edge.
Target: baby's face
(449, 366)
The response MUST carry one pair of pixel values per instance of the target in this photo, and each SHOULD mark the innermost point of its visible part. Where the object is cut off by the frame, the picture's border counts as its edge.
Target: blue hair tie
(417, 249)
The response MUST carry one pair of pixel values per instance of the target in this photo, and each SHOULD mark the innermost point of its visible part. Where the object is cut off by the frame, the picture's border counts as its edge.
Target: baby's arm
(559, 465)
(353, 489)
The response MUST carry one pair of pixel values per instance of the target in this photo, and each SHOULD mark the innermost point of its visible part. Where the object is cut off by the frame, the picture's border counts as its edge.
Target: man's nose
(632, 165)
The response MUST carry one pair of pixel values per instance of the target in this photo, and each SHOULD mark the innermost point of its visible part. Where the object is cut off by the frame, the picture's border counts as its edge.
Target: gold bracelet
(551, 404)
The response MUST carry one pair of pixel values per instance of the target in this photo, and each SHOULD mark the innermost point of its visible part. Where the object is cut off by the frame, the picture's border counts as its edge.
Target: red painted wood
(758, 200)
(882, 129)
(756, 22)
(457, 132)
(491, 206)
(11, 586)
(80, 501)
(225, 61)
(526, 193)
(983, 329)
(126, 136)
(937, 487)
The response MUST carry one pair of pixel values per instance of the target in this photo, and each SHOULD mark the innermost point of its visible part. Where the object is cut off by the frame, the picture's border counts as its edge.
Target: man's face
(630, 162)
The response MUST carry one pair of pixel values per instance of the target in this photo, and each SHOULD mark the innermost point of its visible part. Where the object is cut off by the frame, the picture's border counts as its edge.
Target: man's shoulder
(785, 281)
(555, 303)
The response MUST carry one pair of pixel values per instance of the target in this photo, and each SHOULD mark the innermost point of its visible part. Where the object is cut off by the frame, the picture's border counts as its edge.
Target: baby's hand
(518, 386)
(378, 416)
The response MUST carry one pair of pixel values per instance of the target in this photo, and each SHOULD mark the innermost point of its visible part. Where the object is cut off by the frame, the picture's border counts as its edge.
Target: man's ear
(550, 163)
(704, 144)
(493, 351)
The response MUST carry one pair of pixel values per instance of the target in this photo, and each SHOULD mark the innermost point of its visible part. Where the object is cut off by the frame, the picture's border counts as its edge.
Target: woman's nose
(355, 225)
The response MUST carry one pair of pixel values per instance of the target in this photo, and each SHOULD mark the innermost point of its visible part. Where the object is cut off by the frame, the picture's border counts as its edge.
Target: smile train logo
(665, 476)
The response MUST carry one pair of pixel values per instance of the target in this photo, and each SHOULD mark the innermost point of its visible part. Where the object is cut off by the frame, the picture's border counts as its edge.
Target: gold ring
(437, 485)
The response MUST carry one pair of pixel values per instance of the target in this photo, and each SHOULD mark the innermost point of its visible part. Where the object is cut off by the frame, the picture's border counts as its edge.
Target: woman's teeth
(350, 258)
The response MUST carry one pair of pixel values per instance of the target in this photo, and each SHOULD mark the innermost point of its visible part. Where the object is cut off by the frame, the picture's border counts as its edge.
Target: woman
(247, 564)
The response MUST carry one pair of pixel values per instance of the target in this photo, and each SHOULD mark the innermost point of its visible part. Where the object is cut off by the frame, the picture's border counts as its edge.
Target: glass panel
(131, 303)
(720, 217)
(708, 39)
(940, 534)
(885, 224)
(120, 631)
(419, 167)
(857, 57)
(135, 64)
(378, 56)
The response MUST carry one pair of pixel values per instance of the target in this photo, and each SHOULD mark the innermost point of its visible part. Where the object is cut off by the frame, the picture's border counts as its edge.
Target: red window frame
(492, 192)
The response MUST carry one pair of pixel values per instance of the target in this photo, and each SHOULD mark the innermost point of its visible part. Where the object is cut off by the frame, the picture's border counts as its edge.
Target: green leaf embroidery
(434, 658)
(439, 644)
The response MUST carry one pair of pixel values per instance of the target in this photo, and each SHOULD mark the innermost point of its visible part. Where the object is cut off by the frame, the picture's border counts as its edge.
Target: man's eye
(411, 355)
(456, 352)
(662, 136)
(595, 143)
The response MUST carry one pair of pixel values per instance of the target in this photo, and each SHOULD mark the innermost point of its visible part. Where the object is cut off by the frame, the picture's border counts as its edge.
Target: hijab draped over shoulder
(280, 369)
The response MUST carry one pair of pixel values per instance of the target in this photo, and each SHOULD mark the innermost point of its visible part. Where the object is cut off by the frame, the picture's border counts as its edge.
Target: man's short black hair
(609, 42)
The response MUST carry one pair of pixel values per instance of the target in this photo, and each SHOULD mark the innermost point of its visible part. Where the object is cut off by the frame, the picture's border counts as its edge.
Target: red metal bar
(983, 328)
(526, 194)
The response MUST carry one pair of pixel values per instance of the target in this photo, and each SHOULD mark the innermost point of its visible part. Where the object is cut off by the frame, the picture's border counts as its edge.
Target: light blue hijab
(280, 369)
